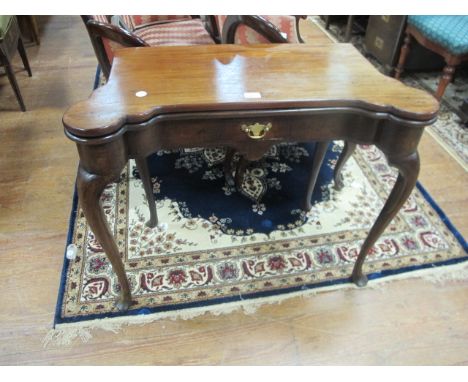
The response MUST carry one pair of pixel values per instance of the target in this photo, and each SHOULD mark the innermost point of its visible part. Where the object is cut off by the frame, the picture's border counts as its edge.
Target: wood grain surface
(217, 77)
(407, 322)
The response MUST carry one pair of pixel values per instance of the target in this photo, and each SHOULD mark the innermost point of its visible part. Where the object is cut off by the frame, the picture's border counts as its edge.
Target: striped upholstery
(101, 18)
(109, 46)
(246, 35)
(183, 32)
(188, 32)
(135, 21)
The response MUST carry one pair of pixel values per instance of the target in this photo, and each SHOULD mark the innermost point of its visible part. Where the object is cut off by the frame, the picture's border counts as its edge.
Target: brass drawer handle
(257, 130)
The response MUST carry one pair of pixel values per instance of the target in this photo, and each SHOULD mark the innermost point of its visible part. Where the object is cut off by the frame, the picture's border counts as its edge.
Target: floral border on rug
(225, 268)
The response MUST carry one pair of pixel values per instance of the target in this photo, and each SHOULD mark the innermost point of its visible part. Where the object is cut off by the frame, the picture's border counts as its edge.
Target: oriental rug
(218, 249)
(216, 246)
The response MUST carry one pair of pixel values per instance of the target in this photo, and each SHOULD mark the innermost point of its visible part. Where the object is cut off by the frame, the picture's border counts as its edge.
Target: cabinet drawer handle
(257, 130)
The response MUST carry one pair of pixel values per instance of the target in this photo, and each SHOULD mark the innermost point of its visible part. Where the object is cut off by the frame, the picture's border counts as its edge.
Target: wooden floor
(411, 322)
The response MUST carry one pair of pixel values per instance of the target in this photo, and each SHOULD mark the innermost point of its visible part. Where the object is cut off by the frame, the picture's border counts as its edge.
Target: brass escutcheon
(257, 130)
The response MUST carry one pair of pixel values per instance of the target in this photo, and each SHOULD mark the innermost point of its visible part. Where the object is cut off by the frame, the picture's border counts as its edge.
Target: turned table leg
(348, 150)
(408, 167)
(90, 187)
(319, 154)
(446, 78)
(142, 166)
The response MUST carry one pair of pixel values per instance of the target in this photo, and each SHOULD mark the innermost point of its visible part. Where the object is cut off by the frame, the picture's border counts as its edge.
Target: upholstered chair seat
(132, 22)
(186, 32)
(451, 32)
(111, 33)
(444, 35)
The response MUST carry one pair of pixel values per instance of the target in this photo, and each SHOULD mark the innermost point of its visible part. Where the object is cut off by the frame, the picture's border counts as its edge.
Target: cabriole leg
(240, 171)
(348, 150)
(319, 154)
(90, 187)
(227, 166)
(142, 165)
(408, 168)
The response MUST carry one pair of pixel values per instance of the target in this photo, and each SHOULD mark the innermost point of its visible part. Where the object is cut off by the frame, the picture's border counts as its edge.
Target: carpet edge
(65, 334)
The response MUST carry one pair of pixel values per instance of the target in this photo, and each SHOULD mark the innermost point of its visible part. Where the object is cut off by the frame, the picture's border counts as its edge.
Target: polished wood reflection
(193, 78)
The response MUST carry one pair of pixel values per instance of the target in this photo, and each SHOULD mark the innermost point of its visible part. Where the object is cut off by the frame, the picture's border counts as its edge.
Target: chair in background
(10, 41)
(444, 35)
(138, 31)
(255, 29)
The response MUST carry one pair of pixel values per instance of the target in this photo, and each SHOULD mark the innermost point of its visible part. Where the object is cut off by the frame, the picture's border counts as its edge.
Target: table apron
(389, 135)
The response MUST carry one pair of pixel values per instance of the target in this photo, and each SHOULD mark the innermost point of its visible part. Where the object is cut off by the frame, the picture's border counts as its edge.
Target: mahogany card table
(245, 98)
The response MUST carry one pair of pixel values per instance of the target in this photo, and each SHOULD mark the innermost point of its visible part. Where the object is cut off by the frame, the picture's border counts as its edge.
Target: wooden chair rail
(259, 24)
(99, 31)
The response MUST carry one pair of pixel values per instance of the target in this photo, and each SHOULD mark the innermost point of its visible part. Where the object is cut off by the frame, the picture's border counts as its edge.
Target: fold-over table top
(146, 82)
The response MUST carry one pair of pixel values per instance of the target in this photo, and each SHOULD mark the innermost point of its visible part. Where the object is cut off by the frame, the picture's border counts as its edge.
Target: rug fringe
(65, 334)
(450, 274)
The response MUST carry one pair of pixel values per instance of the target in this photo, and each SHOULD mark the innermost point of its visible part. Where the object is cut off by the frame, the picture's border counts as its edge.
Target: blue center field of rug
(271, 195)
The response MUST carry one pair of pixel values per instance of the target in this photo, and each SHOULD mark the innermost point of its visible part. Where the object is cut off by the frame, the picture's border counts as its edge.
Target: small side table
(248, 98)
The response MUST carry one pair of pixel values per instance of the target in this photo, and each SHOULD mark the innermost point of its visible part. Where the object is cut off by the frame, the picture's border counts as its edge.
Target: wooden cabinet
(383, 39)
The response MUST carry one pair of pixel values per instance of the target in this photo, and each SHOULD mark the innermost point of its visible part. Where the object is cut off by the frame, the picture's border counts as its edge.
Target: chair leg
(12, 79)
(348, 150)
(349, 28)
(403, 55)
(319, 154)
(24, 58)
(445, 80)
